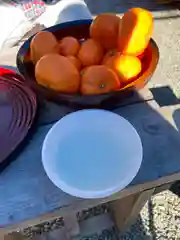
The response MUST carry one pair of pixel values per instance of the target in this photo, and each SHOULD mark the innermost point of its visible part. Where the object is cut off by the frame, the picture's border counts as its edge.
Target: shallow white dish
(92, 153)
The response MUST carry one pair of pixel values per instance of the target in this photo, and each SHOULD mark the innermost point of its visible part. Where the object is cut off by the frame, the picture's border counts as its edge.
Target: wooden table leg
(126, 210)
(72, 226)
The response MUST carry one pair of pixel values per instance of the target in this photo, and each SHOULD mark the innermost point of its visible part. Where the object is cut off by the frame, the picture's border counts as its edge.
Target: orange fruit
(83, 70)
(99, 79)
(90, 53)
(41, 44)
(104, 29)
(111, 62)
(57, 72)
(69, 46)
(135, 31)
(126, 67)
(109, 54)
(75, 61)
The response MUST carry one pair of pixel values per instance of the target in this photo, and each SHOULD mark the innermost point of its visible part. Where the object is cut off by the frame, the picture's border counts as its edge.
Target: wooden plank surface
(28, 193)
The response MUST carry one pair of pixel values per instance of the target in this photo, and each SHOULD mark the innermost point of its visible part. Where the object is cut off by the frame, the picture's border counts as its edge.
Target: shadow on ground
(137, 231)
(164, 96)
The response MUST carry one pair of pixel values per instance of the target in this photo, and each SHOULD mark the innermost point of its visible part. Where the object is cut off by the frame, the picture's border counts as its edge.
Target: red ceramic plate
(17, 112)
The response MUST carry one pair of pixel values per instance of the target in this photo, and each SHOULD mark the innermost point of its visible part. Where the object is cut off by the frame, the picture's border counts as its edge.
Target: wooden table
(28, 196)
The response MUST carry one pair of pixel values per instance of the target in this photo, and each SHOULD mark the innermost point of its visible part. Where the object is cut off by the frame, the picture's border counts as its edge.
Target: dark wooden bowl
(80, 30)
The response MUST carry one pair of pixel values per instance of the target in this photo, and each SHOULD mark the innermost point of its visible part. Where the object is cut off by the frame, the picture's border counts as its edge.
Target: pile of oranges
(105, 62)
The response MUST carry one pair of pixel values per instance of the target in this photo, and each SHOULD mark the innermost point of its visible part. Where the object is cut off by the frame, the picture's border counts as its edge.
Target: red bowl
(80, 30)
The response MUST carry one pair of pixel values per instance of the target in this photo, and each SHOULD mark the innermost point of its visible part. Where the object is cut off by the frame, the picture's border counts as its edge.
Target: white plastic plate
(92, 153)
